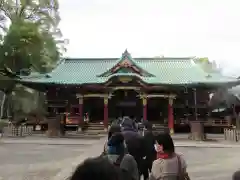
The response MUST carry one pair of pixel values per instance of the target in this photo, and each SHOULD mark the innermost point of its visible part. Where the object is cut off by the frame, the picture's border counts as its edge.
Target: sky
(149, 28)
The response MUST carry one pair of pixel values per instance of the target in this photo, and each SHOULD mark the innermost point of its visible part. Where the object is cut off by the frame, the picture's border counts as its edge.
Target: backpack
(119, 160)
(181, 176)
(124, 174)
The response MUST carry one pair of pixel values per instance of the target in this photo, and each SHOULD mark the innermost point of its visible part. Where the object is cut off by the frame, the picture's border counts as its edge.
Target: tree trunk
(2, 104)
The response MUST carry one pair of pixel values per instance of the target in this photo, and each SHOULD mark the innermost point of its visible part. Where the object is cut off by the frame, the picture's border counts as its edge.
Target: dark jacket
(116, 150)
(128, 164)
(135, 145)
(149, 141)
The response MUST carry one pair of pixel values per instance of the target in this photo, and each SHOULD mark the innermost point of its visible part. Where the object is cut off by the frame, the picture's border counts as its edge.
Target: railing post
(224, 131)
(236, 135)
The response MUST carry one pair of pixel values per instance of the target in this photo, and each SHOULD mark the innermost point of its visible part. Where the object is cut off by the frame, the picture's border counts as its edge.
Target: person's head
(236, 175)
(127, 123)
(148, 126)
(116, 144)
(95, 168)
(164, 143)
(116, 128)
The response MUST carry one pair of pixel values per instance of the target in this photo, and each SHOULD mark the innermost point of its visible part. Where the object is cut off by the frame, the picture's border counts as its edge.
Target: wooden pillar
(195, 104)
(80, 112)
(105, 116)
(144, 100)
(170, 115)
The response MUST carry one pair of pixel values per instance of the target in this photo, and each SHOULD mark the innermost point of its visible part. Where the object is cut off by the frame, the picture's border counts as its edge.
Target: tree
(22, 47)
(207, 65)
(32, 42)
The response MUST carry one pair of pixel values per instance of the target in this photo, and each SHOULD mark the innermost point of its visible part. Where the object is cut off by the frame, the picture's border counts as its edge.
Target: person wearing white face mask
(168, 165)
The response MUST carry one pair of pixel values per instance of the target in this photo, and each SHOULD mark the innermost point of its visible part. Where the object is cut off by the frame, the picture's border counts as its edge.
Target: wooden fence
(20, 131)
(231, 134)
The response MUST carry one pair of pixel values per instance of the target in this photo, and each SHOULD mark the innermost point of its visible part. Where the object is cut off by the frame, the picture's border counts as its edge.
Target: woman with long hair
(168, 165)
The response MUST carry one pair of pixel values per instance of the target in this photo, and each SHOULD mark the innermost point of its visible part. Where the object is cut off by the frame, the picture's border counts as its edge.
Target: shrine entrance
(125, 103)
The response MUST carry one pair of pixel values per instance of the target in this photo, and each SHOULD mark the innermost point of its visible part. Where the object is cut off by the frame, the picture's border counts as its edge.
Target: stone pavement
(211, 163)
(55, 159)
(204, 159)
(38, 158)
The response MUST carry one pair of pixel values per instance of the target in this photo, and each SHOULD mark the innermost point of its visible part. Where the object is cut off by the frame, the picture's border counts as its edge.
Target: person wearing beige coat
(168, 165)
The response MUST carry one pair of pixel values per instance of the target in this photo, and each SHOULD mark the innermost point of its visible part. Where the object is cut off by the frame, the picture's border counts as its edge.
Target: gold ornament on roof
(105, 100)
(144, 101)
(125, 79)
(125, 63)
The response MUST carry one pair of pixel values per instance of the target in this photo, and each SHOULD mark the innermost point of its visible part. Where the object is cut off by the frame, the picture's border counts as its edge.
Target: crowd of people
(128, 155)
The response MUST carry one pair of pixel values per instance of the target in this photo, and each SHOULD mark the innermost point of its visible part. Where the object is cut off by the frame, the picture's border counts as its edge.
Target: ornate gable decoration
(126, 65)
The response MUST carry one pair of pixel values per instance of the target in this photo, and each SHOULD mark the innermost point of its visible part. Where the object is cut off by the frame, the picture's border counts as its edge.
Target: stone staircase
(95, 129)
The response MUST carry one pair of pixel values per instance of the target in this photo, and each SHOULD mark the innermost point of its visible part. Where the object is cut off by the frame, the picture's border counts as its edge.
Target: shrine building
(162, 90)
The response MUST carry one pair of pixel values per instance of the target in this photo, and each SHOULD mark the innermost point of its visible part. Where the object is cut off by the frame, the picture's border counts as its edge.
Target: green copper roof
(163, 70)
(126, 64)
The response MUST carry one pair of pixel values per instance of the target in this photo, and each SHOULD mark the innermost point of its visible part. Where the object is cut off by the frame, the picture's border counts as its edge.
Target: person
(117, 155)
(115, 128)
(236, 175)
(168, 164)
(127, 122)
(86, 118)
(149, 141)
(134, 142)
(97, 168)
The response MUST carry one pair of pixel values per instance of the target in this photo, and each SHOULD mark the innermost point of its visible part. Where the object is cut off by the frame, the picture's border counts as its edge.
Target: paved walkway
(40, 159)
(36, 158)
(215, 163)
(179, 139)
(47, 141)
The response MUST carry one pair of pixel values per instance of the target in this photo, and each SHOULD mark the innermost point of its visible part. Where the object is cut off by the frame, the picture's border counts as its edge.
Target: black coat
(135, 146)
(149, 141)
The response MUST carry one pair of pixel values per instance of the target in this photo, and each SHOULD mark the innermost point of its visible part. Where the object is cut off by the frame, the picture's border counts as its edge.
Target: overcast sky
(105, 28)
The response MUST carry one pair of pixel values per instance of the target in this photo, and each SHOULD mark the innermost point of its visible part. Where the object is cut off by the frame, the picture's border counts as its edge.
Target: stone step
(95, 124)
(86, 136)
(159, 125)
(94, 131)
(95, 127)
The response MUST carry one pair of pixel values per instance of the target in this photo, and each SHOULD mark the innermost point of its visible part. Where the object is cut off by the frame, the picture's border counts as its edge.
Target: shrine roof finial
(125, 52)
